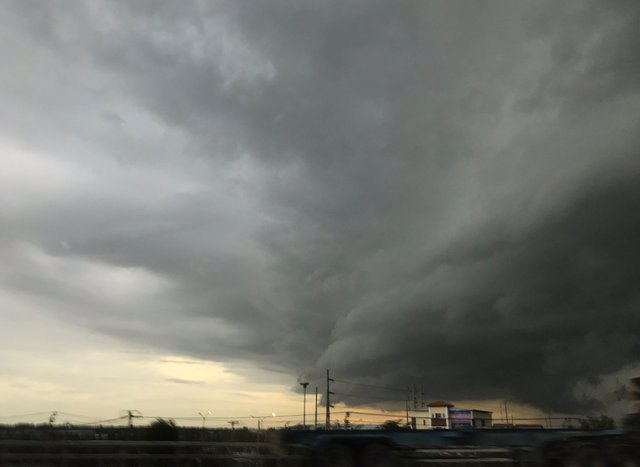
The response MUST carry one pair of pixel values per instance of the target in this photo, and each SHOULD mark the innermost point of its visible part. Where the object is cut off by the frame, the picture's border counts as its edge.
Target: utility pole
(233, 424)
(407, 409)
(328, 403)
(422, 397)
(506, 412)
(204, 417)
(315, 422)
(130, 415)
(407, 404)
(258, 434)
(304, 404)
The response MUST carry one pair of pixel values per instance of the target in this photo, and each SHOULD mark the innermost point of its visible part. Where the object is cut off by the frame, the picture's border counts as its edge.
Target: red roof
(440, 404)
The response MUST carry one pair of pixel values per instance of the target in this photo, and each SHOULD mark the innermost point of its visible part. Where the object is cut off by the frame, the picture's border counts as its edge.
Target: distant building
(470, 418)
(444, 415)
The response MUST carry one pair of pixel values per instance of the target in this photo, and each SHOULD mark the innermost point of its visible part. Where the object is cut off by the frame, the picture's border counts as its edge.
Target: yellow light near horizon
(201, 371)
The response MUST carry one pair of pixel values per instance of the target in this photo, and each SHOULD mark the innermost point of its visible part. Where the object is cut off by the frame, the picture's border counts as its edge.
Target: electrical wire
(373, 386)
(99, 422)
(358, 396)
(378, 414)
(25, 415)
(75, 415)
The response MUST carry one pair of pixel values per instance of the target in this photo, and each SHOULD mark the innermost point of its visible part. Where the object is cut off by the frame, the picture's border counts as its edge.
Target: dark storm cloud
(514, 311)
(438, 193)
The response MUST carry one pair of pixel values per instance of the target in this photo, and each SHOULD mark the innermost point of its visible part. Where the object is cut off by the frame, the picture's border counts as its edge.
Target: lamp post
(260, 420)
(204, 417)
(304, 403)
(315, 420)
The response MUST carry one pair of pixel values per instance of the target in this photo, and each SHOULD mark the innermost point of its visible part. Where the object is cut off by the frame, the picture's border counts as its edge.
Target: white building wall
(421, 419)
(430, 418)
(440, 417)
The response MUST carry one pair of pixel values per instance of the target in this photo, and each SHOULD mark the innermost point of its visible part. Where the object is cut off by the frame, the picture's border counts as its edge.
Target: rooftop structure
(440, 404)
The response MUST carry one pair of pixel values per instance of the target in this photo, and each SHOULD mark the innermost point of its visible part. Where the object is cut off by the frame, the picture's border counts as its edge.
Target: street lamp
(204, 417)
(233, 424)
(260, 420)
(304, 403)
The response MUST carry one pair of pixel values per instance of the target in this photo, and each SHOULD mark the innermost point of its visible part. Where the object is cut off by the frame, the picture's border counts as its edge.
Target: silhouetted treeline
(164, 431)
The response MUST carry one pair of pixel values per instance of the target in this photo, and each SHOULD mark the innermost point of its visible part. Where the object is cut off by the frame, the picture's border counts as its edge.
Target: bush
(602, 422)
(391, 425)
(162, 430)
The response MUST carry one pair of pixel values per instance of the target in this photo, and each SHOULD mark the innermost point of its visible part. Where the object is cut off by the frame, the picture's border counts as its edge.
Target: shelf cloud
(434, 193)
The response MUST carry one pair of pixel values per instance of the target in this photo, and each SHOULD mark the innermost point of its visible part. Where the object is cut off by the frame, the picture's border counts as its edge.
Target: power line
(373, 386)
(98, 422)
(192, 418)
(221, 418)
(387, 388)
(358, 396)
(383, 414)
(75, 415)
(25, 415)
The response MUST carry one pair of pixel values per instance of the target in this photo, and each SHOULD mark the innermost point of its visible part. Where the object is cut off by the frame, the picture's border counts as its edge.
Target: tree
(603, 422)
(391, 425)
(162, 430)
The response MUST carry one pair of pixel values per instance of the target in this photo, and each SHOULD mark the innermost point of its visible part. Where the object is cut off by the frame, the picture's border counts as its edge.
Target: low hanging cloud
(441, 194)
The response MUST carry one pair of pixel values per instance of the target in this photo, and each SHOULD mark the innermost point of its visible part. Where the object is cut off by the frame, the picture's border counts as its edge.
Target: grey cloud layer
(439, 193)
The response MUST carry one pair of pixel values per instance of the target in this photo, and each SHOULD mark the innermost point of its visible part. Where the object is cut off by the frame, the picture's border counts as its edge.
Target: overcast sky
(439, 193)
